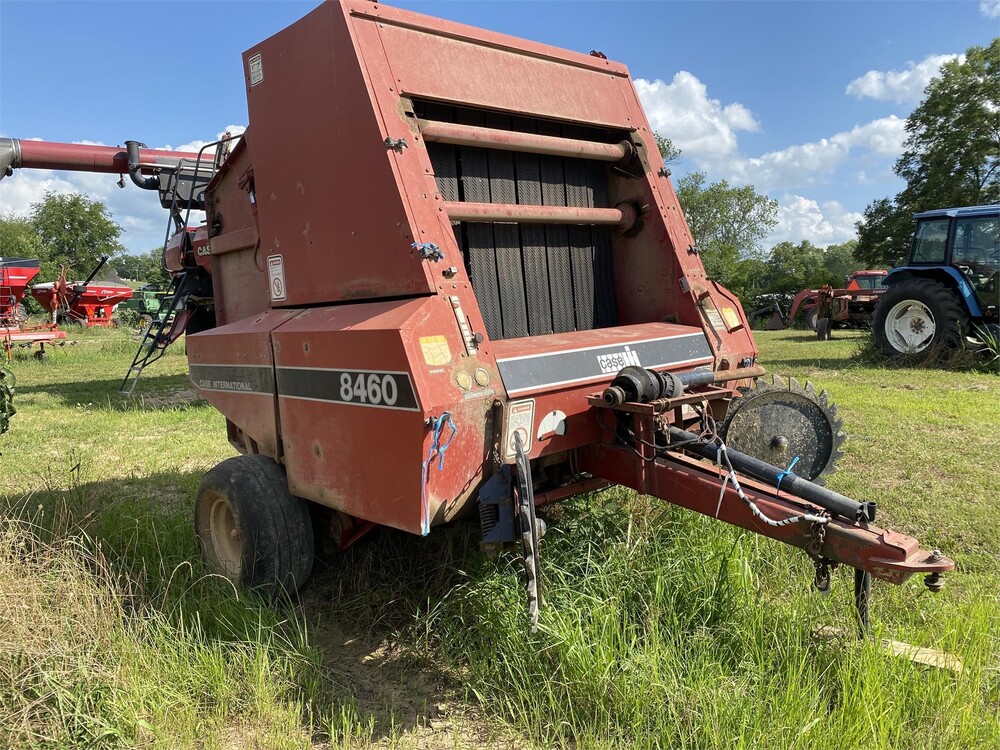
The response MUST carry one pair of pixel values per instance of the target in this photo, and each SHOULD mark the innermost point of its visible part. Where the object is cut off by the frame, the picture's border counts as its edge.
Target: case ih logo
(611, 364)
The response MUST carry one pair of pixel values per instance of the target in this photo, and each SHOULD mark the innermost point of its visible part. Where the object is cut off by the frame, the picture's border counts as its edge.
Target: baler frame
(528, 252)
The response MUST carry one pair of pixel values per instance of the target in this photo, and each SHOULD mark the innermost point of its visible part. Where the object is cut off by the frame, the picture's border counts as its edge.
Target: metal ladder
(161, 333)
(174, 314)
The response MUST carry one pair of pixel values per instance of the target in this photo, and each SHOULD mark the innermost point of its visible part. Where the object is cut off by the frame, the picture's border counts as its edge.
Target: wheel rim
(910, 327)
(225, 537)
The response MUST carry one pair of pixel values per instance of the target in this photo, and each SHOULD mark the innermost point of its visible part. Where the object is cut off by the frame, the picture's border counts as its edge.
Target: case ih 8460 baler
(474, 291)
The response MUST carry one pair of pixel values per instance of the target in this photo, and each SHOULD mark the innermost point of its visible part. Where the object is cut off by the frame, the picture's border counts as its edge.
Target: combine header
(475, 292)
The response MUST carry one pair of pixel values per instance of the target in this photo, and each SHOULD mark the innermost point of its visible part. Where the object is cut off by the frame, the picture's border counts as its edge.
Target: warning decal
(435, 349)
(520, 420)
(276, 277)
(256, 69)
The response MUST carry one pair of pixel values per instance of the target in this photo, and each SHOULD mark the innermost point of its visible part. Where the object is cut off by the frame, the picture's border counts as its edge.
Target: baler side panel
(332, 207)
(232, 367)
(356, 385)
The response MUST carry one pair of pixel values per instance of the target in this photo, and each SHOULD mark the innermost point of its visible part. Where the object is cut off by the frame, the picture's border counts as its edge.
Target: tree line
(73, 232)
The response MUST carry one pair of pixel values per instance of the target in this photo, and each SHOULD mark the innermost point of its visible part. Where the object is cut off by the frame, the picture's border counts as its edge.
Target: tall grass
(663, 629)
(89, 659)
(659, 628)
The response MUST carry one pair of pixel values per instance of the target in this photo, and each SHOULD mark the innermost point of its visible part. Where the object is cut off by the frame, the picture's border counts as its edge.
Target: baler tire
(823, 329)
(251, 529)
(937, 302)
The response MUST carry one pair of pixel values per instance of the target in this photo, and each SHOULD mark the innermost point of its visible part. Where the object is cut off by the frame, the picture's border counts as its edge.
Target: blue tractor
(949, 289)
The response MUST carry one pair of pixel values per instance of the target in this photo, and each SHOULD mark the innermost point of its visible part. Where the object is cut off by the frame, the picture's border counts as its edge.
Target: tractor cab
(966, 239)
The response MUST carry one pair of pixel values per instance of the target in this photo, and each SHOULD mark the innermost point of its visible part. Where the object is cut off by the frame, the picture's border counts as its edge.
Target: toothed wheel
(777, 421)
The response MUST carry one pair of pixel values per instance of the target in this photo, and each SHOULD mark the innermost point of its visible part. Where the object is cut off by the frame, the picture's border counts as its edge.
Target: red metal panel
(230, 366)
(449, 62)
(337, 444)
(332, 209)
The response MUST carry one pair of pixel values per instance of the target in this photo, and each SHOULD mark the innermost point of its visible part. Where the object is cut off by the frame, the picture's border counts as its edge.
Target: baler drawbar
(477, 293)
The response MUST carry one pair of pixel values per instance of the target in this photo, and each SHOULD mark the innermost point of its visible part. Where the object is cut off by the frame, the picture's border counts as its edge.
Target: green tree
(728, 224)
(839, 261)
(951, 155)
(75, 233)
(147, 267)
(18, 238)
(792, 268)
(668, 150)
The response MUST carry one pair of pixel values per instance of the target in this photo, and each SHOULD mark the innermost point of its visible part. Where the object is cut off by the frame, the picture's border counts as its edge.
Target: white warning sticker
(256, 69)
(276, 277)
(520, 421)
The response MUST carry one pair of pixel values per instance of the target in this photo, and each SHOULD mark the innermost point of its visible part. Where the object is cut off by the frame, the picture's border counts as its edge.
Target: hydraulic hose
(832, 501)
(146, 183)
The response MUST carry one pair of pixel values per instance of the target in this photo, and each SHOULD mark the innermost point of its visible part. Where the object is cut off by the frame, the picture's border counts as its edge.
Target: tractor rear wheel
(918, 317)
(250, 527)
(823, 329)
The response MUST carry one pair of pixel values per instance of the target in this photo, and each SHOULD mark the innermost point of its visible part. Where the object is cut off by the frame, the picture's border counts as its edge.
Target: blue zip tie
(787, 471)
(428, 250)
(436, 448)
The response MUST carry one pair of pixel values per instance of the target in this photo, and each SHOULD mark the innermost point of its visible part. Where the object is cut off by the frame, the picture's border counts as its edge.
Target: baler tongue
(654, 458)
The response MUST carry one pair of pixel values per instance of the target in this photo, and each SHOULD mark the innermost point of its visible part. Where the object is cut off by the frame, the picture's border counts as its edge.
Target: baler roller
(531, 143)
(622, 216)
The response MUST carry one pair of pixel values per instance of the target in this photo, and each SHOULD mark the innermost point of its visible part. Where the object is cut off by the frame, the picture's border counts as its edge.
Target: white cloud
(990, 8)
(801, 218)
(811, 163)
(137, 211)
(906, 85)
(682, 111)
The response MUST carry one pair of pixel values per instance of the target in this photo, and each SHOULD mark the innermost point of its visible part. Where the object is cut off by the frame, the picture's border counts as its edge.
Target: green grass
(660, 628)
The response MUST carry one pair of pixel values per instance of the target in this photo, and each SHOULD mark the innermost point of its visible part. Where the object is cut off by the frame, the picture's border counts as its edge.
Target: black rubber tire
(824, 329)
(273, 548)
(812, 319)
(950, 320)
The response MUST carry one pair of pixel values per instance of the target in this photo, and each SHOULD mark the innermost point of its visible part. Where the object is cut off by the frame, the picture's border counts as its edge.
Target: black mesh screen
(530, 279)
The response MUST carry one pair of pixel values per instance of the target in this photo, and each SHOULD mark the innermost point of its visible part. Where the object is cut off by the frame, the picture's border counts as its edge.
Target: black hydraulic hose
(146, 183)
(834, 502)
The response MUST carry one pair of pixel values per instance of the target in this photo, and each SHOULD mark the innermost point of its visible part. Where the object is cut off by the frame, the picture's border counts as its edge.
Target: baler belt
(557, 239)
(510, 277)
(604, 275)
(581, 245)
(529, 279)
(536, 264)
(475, 186)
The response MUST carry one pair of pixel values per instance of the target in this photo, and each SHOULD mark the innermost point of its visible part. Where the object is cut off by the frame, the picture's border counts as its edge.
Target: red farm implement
(83, 303)
(824, 308)
(15, 273)
(488, 278)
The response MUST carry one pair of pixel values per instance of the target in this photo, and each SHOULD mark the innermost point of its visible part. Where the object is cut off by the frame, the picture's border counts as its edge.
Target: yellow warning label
(436, 351)
(731, 318)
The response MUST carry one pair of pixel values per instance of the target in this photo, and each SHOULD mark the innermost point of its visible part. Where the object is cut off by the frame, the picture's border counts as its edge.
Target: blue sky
(805, 100)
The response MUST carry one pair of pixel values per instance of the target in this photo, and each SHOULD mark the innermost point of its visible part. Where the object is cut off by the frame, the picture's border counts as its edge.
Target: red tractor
(826, 307)
(468, 294)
